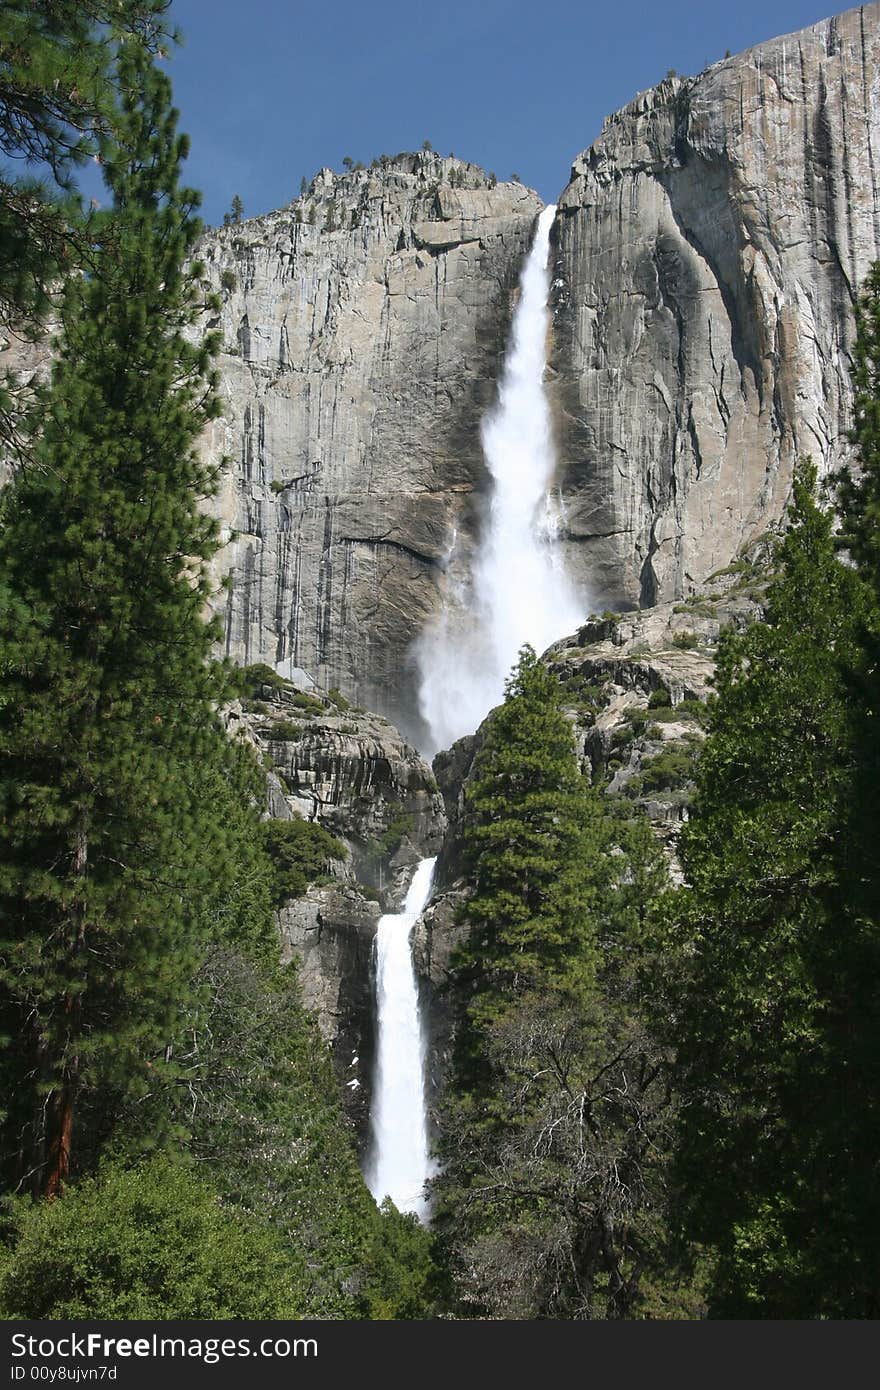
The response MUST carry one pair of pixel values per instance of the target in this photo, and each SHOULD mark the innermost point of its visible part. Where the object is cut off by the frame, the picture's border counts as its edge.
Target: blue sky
(270, 90)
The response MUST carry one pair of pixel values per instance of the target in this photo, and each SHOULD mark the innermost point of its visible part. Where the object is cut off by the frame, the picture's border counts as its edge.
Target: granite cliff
(709, 248)
(364, 327)
(707, 252)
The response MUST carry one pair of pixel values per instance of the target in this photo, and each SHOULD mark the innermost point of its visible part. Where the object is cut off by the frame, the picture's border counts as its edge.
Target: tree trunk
(61, 1112)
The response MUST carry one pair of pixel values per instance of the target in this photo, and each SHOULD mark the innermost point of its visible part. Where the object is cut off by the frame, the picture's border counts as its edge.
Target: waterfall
(399, 1161)
(518, 591)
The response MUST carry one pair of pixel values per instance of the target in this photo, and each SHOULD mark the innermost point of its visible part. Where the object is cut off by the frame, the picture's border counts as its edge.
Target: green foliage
(338, 699)
(530, 824)
(282, 731)
(228, 280)
(149, 1242)
(308, 704)
(248, 681)
(58, 92)
(665, 714)
(637, 718)
(403, 1281)
(548, 1034)
(698, 710)
(386, 845)
(260, 1115)
(772, 1019)
(685, 641)
(669, 769)
(108, 722)
(860, 495)
(300, 852)
(658, 698)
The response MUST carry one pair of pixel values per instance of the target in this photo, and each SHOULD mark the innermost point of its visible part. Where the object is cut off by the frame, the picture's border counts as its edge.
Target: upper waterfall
(518, 591)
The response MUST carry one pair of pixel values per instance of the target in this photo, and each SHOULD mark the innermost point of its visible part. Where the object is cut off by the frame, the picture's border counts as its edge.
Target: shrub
(665, 714)
(658, 698)
(388, 843)
(338, 699)
(277, 485)
(310, 704)
(150, 1242)
(669, 769)
(300, 852)
(685, 641)
(282, 731)
(693, 709)
(637, 718)
(248, 681)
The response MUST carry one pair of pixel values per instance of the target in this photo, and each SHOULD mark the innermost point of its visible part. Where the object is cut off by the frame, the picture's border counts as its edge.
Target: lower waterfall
(399, 1162)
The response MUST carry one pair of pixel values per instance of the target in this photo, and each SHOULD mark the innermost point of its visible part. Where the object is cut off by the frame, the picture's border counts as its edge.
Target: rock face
(352, 772)
(363, 329)
(330, 933)
(708, 251)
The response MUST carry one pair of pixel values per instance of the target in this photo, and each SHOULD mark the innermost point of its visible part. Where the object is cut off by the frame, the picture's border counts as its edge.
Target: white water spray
(518, 591)
(400, 1162)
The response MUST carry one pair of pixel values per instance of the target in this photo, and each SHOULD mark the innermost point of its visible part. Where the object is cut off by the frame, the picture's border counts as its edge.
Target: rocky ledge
(352, 772)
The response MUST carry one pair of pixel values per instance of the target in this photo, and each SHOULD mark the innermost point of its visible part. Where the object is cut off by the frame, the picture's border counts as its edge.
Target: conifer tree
(528, 821)
(107, 726)
(778, 1134)
(57, 95)
(860, 535)
(556, 1093)
(860, 495)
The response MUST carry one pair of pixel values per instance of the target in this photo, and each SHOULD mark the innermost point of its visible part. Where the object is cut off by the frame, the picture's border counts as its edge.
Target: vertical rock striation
(708, 251)
(363, 327)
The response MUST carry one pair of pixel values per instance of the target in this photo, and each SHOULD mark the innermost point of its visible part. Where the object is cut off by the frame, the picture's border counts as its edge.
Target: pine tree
(860, 496)
(529, 819)
(552, 1119)
(107, 726)
(57, 95)
(860, 535)
(776, 1150)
